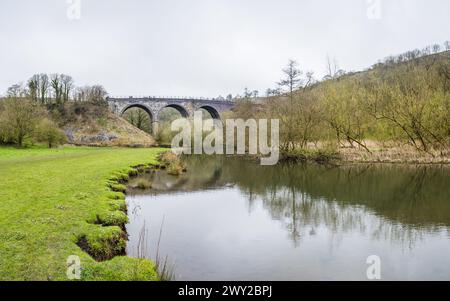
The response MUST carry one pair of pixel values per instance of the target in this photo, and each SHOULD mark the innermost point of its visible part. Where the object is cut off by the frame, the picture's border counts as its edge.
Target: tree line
(413, 54)
(55, 90)
(403, 100)
(34, 112)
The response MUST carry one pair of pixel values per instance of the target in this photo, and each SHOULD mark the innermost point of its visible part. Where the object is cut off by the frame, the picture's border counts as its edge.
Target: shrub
(173, 163)
(168, 157)
(18, 119)
(48, 132)
(174, 169)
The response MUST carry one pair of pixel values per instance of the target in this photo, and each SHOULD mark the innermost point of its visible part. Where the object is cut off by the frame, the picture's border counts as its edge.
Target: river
(232, 219)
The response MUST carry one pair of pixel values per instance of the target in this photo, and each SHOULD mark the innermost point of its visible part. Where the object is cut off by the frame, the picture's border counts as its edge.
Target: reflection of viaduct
(154, 105)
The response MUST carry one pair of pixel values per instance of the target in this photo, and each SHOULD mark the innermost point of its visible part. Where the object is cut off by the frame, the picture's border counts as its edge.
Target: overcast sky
(205, 47)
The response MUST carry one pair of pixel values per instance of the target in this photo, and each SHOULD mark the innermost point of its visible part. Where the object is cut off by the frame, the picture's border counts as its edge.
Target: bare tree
(33, 87)
(310, 80)
(43, 85)
(17, 90)
(333, 70)
(426, 50)
(98, 93)
(273, 92)
(292, 79)
(247, 93)
(94, 93)
(56, 84)
(447, 45)
(67, 86)
(294, 115)
(436, 48)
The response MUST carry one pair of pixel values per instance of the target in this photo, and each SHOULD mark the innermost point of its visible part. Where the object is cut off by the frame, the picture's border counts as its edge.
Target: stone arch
(147, 110)
(151, 115)
(212, 111)
(179, 108)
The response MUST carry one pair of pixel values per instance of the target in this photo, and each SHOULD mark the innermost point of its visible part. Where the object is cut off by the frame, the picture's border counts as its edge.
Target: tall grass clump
(173, 163)
(166, 271)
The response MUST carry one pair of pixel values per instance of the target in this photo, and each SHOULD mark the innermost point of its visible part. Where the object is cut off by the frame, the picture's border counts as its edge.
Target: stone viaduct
(154, 105)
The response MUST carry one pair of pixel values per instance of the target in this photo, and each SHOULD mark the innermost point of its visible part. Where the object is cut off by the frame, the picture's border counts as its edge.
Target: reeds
(166, 270)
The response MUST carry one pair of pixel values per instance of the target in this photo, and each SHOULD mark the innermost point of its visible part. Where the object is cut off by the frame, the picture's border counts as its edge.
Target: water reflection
(397, 205)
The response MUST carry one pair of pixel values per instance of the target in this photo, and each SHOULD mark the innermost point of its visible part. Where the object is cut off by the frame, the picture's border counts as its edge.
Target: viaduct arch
(154, 105)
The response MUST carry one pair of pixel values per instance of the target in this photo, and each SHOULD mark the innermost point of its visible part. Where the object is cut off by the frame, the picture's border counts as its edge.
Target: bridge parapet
(186, 98)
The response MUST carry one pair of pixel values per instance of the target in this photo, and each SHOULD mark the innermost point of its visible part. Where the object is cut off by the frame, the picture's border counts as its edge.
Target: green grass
(51, 199)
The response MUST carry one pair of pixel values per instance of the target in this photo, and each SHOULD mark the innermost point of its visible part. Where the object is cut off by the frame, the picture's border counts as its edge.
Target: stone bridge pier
(154, 105)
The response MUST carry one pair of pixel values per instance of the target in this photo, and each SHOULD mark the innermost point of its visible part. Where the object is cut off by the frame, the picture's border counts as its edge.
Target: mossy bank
(68, 201)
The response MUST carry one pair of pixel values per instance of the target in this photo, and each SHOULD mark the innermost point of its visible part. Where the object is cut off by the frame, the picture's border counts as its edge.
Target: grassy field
(51, 199)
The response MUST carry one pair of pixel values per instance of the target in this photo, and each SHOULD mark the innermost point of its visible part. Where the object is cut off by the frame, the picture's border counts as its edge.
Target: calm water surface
(231, 219)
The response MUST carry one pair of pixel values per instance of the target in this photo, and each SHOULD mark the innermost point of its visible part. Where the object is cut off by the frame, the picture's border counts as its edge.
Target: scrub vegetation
(396, 110)
(172, 163)
(50, 109)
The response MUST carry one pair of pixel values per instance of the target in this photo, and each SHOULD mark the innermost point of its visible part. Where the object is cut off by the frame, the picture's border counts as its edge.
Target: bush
(172, 163)
(175, 169)
(48, 132)
(18, 119)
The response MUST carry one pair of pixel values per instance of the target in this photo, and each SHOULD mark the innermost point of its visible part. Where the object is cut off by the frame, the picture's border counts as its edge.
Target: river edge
(347, 155)
(65, 197)
(342, 161)
(357, 156)
(118, 184)
(111, 245)
(299, 192)
(162, 167)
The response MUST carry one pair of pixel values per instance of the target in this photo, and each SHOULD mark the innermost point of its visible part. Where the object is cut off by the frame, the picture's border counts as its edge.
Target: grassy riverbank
(52, 200)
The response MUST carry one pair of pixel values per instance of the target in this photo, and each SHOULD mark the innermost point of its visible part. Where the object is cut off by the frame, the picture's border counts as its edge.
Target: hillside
(392, 65)
(387, 68)
(395, 111)
(91, 125)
